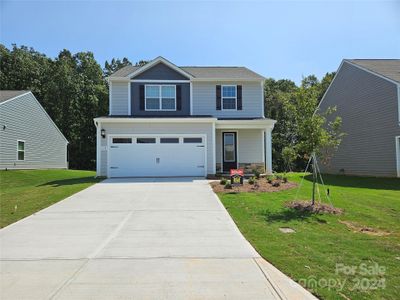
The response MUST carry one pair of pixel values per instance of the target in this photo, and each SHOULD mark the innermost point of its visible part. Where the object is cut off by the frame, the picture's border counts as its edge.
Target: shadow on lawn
(71, 181)
(287, 215)
(359, 182)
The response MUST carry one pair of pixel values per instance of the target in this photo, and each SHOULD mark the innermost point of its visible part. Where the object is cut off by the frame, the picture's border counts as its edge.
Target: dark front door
(229, 151)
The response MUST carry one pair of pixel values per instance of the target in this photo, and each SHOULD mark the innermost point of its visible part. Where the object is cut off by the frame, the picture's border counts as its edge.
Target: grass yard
(311, 254)
(24, 192)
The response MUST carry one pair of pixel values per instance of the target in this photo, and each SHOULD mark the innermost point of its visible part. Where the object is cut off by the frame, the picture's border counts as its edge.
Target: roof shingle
(389, 68)
(9, 94)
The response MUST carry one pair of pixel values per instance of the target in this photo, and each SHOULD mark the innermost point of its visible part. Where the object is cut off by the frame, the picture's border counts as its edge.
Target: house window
(122, 141)
(20, 150)
(193, 140)
(146, 140)
(160, 97)
(229, 97)
(169, 140)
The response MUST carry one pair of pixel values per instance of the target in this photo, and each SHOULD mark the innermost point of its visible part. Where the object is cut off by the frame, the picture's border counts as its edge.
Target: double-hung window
(229, 97)
(20, 150)
(160, 97)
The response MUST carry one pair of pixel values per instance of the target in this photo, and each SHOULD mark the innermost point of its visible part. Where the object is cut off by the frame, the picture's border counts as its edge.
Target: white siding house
(29, 139)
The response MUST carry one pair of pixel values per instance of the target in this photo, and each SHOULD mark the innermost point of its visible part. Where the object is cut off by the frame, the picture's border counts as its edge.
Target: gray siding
(204, 100)
(119, 94)
(135, 98)
(368, 106)
(26, 120)
(160, 72)
(157, 128)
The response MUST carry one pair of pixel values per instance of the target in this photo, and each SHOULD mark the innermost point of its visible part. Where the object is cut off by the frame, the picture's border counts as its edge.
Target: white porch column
(268, 150)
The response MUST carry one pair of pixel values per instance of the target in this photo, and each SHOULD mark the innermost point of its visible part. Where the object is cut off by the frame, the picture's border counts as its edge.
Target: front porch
(244, 144)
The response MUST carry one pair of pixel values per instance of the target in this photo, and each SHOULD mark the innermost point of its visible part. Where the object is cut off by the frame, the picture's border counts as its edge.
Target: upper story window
(160, 97)
(229, 97)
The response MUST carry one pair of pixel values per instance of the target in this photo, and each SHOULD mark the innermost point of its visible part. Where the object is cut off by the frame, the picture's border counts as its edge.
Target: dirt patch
(287, 230)
(261, 185)
(355, 227)
(318, 208)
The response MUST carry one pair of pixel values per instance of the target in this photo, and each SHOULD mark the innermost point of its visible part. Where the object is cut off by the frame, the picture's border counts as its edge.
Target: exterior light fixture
(103, 133)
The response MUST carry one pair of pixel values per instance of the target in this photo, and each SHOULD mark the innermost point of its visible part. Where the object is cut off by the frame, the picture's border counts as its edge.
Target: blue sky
(279, 39)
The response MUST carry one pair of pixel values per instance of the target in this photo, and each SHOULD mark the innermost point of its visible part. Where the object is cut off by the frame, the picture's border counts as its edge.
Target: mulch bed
(261, 185)
(318, 208)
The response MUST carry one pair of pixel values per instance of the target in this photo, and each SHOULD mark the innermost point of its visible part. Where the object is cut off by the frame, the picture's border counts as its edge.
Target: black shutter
(218, 98)
(178, 98)
(239, 97)
(141, 96)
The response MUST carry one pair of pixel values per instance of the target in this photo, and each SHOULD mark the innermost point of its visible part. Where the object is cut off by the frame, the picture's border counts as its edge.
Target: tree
(317, 137)
(114, 65)
(289, 155)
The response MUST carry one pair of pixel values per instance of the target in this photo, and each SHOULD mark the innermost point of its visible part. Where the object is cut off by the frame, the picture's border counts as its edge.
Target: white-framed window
(229, 97)
(160, 97)
(20, 150)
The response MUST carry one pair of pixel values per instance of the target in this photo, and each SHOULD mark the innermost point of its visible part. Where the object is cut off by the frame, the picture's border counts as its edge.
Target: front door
(229, 151)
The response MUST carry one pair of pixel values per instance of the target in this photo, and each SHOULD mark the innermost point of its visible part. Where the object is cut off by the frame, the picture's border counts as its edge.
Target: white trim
(214, 139)
(191, 97)
(227, 79)
(110, 98)
(98, 145)
(23, 141)
(203, 136)
(397, 140)
(263, 146)
(268, 151)
(222, 97)
(154, 120)
(398, 100)
(15, 97)
(155, 62)
(159, 97)
(262, 99)
(159, 81)
(129, 99)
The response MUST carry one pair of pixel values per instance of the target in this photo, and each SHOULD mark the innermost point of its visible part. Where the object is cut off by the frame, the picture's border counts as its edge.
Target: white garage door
(161, 155)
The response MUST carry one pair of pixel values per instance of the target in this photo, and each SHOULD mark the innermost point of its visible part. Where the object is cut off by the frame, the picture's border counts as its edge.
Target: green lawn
(310, 255)
(24, 192)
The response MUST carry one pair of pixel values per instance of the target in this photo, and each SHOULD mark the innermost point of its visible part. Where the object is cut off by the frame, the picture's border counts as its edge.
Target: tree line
(73, 90)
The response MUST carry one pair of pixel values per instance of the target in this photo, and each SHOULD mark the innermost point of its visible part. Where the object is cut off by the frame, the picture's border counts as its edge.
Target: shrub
(228, 186)
(285, 180)
(278, 177)
(252, 180)
(256, 173)
(223, 181)
(269, 179)
(276, 184)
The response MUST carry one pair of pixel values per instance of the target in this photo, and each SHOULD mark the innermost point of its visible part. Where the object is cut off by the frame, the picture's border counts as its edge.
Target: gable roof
(194, 72)
(6, 95)
(9, 94)
(389, 68)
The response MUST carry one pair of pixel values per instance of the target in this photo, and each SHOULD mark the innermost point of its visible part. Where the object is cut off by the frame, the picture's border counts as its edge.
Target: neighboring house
(29, 139)
(366, 93)
(183, 121)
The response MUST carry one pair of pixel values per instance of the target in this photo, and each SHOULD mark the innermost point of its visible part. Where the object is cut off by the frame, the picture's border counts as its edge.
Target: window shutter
(218, 98)
(141, 96)
(239, 97)
(178, 97)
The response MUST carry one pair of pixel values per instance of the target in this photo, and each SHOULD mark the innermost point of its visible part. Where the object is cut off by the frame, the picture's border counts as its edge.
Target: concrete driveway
(136, 239)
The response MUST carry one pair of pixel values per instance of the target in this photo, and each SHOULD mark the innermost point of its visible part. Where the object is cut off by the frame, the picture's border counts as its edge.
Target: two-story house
(366, 93)
(166, 120)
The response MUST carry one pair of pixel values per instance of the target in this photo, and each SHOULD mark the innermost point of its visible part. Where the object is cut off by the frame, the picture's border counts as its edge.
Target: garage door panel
(157, 159)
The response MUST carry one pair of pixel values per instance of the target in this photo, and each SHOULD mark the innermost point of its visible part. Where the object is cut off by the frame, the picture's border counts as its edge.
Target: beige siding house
(29, 139)
(366, 93)
(166, 120)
